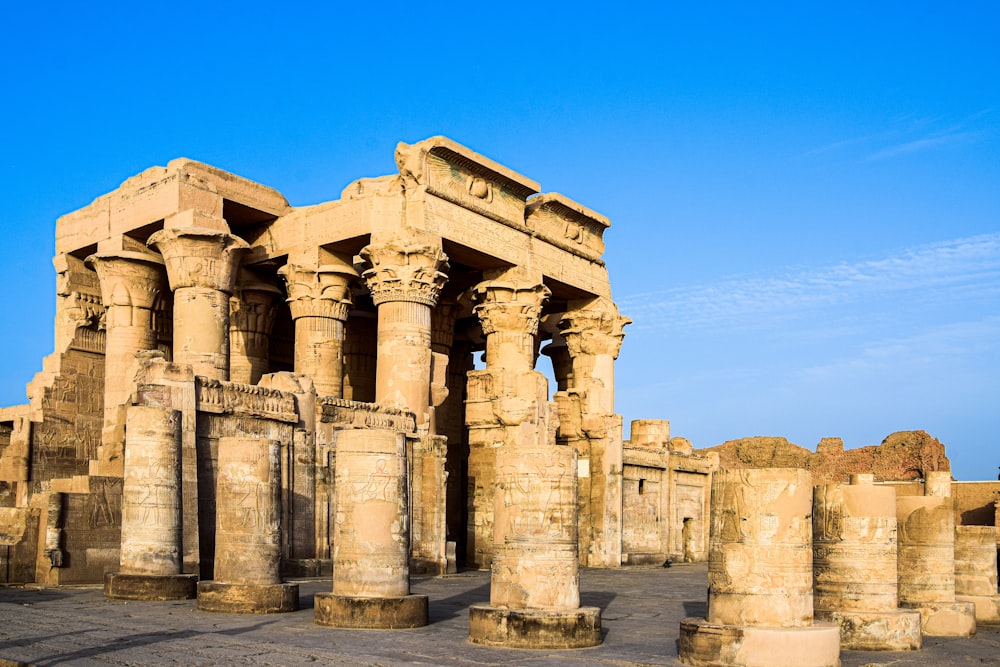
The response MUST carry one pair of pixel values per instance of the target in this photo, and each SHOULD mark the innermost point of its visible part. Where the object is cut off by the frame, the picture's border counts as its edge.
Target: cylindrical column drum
(937, 483)
(975, 560)
(248, 512)
(926, 549)
(760, 552)
(151, 496)
(371, 531)
(201, 330)
(536, 565)
(854, 547)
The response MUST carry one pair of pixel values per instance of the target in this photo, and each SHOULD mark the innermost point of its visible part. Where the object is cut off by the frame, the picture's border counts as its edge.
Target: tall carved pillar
(130, 283)
(360, 350)
(593, 335)
(319, 298)
(405, 283)
(251, 315)
(508, 400)
(201, 265)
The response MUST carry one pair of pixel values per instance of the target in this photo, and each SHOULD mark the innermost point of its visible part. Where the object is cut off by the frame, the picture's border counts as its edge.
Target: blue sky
(805, 197)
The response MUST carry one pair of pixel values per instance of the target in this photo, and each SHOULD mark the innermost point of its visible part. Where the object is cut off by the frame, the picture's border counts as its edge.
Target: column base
(705, 644)
(894, 630)
(247, 598)
(344, 611)
(945, 619)
(534, 628)
(987, 607)
(122, 586)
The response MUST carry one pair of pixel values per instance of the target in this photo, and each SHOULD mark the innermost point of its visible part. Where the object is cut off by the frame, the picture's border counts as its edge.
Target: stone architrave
(854, 566)
(405, 281)
(371, 581)
(976, 571)
(151, 560)
(760, 581)
(535, 583)
(319, 298)
(593, 335)
(130, 284)
(201, 266)
(926, 557)
(248, 532)
(251, 316)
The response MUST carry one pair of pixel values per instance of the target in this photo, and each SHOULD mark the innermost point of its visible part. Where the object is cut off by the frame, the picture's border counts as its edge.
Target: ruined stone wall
(905, 455)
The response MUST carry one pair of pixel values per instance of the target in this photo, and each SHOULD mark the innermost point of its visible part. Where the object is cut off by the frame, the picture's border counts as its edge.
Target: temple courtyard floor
(642, 609)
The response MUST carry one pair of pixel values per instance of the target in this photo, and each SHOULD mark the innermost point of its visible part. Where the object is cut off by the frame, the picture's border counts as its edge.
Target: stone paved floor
(641, 613)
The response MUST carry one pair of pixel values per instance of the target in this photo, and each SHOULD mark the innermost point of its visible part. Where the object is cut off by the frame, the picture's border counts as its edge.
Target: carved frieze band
(355, 414)
(221, 397)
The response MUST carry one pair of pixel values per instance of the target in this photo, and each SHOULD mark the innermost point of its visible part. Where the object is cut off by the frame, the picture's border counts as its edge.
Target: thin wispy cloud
(907, 135)
(946, 272)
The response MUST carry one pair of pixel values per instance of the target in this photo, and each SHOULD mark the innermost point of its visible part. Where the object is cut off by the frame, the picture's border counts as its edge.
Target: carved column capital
(322, 291)
(395, 272)
(595, 330)
(200, 257)
(128, 279)
(509, 307)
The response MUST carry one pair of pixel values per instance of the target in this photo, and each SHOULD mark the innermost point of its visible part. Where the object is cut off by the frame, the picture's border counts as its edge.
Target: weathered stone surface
(532, 629)
(706, 644)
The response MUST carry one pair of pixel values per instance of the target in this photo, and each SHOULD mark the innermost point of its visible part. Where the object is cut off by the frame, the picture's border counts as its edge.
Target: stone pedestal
(854, 567)
(248, 532)
(760, 594)
(926, 557)
(535, 584)
(151, 511)
(976, 571)
(371, 584)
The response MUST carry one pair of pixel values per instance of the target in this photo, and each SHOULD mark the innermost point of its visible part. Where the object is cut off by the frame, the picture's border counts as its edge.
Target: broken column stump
(854, 567)
(760, 580)
(151, 561)
(371, 580)
(976, 571)
(248, 532)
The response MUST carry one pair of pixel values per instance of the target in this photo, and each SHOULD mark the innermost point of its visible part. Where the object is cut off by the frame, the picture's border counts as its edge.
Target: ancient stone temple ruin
(265, 374)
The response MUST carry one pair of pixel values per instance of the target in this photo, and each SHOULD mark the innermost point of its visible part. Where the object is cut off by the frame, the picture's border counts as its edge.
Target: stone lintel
(705, 644)
(389, 613)
(534, 629)
(247, 598)
(121, 586)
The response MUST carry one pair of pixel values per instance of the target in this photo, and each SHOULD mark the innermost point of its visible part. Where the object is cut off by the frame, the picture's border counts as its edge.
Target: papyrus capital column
(594, 337)
(509, 308)
(405, 282)
(319, 298)
(201, 266)
(130, 283)
(251, 316)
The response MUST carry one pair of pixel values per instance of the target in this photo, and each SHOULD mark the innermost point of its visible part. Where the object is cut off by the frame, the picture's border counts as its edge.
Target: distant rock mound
(902, 456)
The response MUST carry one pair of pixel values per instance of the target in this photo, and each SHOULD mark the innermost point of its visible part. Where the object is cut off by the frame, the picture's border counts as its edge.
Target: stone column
(507, 401)
(760, 583)
(130, 283)
(593, 335)
(854, 566)
(926, 557)
(248, 532)
(151, 560)
(251, 315)
(201, 265)
(360, 350)
(371, 582)
(405, 283)
(535, 584)
(976, 571)
(319, 298)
